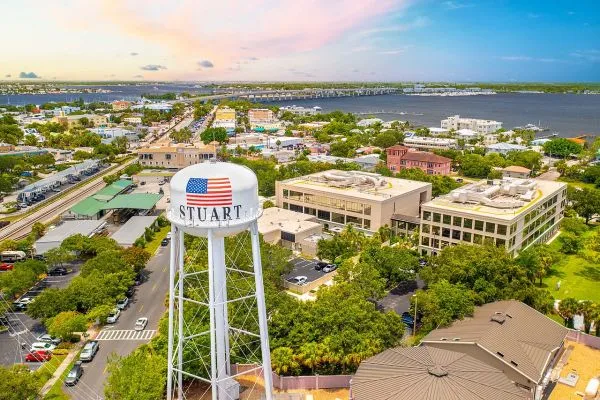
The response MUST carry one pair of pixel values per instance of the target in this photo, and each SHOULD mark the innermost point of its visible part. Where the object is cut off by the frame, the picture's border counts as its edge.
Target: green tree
(570, 243)
(386, 139)
(561, 147)
(394, 264)
(51, 302)
(138, 376)
(442, 303)
(585, 202)
(364, 277)
(18, 383)
(567, 308)
(283, 361)
(181, 136)
(311, 355)
(214, 134)
(66, 323)
(38, 229)
(537, 261)
(474, 166)
(58, 256)
(136, 257)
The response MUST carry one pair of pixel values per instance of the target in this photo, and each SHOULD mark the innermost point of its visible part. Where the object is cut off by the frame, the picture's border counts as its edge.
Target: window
(468, 223)
(436, 217)
(425, 241)
(427, 215)
(478, 225)
(446, 232)
(309, 210)
(290, 237)
(501, 230)
(167, 156)
(286, 206)
(457, 221)
(367, 223)
(466, 237)
(446, 219)
(367, 209)
(435, 230)
(294, 207)
(295, 195)
(425, 228)
(326, 215)
(354, 207)
(353, 220)
(477, 239)
(455, 234)
(490, 227)
(435, 243)
(286, 193)
(500, 242)
(338, 218)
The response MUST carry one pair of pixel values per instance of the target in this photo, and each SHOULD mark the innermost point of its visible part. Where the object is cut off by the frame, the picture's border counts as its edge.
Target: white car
(299, 280)
(113, 316)
(169, 234)
(140, 324)
(122, 304)
(47, 338)
(41, 346)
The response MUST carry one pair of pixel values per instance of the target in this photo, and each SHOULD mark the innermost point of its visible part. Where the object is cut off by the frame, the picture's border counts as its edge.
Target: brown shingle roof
(424, 156)
(428, 373)
(516, 168)
(525, 338)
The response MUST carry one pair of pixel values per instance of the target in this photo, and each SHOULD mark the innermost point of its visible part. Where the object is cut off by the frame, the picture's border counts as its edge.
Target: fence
(297, 382)
(584, 338)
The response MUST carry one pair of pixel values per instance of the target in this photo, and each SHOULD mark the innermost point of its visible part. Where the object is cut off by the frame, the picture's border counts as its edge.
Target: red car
(38, 356)
(6, 267)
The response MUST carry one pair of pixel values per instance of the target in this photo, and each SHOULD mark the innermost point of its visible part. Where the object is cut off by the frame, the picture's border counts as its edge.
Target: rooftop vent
(443, 338)
(509, 316)
(514, 363)
(500, 354)
(438, 371)
(456, 339)
(498, 318)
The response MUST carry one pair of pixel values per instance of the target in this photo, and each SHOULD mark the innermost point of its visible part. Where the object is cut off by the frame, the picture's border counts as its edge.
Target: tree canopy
(561, 147)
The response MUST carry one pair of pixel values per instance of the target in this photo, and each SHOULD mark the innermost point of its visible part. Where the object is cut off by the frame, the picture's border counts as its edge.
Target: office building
(401, 157)
(429, 143)
(504, 148)
(225, 114)
(301, 110)
(176, 156)
(260, 116)
(288, 228)
(481, 126)
(132, 120)
(120, 105)
(366, 200)
(510, 213)
(72, 121)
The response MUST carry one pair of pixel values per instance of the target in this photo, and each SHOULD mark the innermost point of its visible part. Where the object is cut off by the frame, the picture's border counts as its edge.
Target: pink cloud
(227, 30)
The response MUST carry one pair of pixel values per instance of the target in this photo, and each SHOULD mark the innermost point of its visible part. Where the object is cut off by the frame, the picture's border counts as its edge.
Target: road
(120, 338)
(21, 228)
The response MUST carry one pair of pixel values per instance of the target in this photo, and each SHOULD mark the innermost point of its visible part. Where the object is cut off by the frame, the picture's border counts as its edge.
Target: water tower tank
(219, 196)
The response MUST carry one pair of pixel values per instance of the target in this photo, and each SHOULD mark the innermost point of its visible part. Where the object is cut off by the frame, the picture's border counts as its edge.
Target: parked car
(41, 346)
(299, 280)
(89, 350)
(40, 257)
(169, 235)
(164, 242)
(58, 271)
(6, 267)
(139, 279)
(38, 356)
(140, 324)
(47, 338)
(130, 292)
(320, 265)
(113, 316)
(122, 304)
(329, 268)
(74, 374)
(23, 302)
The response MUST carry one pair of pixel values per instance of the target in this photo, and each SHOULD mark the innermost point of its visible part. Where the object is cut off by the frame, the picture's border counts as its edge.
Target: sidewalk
(92, 332)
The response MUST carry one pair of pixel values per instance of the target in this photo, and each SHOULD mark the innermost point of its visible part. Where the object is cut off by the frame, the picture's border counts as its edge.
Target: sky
(301, 40)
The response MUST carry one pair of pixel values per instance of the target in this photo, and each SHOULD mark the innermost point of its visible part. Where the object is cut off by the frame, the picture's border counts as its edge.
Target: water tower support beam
(219, 291)
(172, 259)
(179, 237)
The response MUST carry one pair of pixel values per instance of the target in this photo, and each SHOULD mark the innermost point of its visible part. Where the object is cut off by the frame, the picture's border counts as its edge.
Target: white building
(478, 125)
(369, 122)
(301, 110)
(438, 131)
(504, 148)
(133, 120)
(109, 134)
(429, 143)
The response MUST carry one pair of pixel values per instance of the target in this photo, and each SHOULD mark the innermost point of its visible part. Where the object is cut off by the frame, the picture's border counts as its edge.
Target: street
(120, 338)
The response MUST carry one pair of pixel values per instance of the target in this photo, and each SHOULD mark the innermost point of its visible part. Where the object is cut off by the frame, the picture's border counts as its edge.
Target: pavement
(148, 301)
(304, 267)
(399, 303)
(551, 175)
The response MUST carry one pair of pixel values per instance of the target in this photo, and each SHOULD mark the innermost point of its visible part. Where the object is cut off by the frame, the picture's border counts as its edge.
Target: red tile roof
(424, 156)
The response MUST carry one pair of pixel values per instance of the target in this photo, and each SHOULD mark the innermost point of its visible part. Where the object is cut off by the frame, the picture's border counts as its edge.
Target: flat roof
(358, 184)
(70, 228)
(110, 191)
(138, 201)
(279, 219)
(497, 203)
(133, 229)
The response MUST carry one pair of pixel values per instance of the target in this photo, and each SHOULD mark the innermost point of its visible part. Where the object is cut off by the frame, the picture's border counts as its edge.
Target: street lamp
(415, 319)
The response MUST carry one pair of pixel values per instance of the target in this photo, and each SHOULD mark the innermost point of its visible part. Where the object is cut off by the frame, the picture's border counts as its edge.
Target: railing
(584, 338)
(297, 382)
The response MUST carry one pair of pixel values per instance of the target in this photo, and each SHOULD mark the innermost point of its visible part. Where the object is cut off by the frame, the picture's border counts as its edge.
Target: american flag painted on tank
(208, 192)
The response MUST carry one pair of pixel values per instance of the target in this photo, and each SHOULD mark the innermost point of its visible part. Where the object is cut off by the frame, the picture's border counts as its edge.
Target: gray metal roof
(70, 228)
(133, 229)
(60, 176)
(428, 373)
(511, 331)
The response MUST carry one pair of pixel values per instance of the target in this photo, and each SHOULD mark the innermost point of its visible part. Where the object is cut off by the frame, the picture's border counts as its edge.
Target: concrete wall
(302, 289)
(298, 382)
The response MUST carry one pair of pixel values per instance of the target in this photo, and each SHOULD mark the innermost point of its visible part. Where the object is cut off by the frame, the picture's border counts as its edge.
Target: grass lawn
(158, 237)
(579, 278)
(47, 369)
(56, 391)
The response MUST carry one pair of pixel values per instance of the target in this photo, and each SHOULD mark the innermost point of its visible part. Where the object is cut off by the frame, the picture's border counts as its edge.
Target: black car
(58, 271)
(164, 242)
(320, 265)
(129, 293)
(139, 279)
(40, 257)
(74, 374)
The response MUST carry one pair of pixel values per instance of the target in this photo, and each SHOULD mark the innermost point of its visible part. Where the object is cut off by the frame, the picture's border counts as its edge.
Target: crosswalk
(113, 334)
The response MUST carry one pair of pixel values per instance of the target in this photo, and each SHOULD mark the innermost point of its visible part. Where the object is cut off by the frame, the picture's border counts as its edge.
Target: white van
(12, 256)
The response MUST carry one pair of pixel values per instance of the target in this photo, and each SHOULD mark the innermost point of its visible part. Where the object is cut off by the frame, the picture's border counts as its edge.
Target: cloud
(592, 55)
(399, 50)
(152, 67)
(533, 59)
(418, 22)
(253, 58)
(138, 76)
(360, 49)
(455, 5)
(8, 76)
(133, 53)
(206, 64)
(28, 75)
(516, 58)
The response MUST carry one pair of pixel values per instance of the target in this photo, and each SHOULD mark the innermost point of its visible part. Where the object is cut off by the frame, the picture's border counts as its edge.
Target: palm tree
(311, 355)
(587, 309)
(567, 309)
(283, 361)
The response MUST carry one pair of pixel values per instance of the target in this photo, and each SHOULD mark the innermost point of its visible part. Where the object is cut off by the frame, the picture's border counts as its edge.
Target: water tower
(217, 203)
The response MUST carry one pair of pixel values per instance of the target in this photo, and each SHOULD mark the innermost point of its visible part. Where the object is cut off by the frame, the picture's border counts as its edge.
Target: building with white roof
(287, 228)
(369, 122)
(435, 131)
(504, 148)
(510, 213)
(429, 143)
(54, 237)
(133, 229)
(478, 125)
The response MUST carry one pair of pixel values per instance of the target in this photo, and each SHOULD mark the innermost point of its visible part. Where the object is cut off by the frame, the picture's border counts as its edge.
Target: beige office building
(510, 213)
(260, 115)
(225, 114)
(175, 156)
(288, 228)
(366, 200)
(72, 121)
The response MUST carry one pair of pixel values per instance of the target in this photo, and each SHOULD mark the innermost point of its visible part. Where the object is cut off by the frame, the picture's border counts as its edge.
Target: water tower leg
(180, 295)
(221, 324)
(172, 266)
(262, 312)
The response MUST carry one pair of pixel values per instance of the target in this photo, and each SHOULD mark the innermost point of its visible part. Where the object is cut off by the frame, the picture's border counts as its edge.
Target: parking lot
(23, 330)
(304, 267)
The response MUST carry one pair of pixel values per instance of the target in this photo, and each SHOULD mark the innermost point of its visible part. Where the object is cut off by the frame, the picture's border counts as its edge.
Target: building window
(337, 218)
(478, 225)
(477, 239)
(490, 227)
(435, 243)
(427, 215)
(425, 228)
(286, 206)
(436, 217)
(446, 232)
(466, 237)
(501, 229)
(468, 223)
(353, 220)
(435, 230)
(500, 242)
(286, 193)
(446, 219)
(455, 234)
(367, 209)
(309, 210)
(425, 241)
(326, 215)
(457, 221)
(295, 195)
(367, 223)
(167, 156)
(294, 207)
(290, 237)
